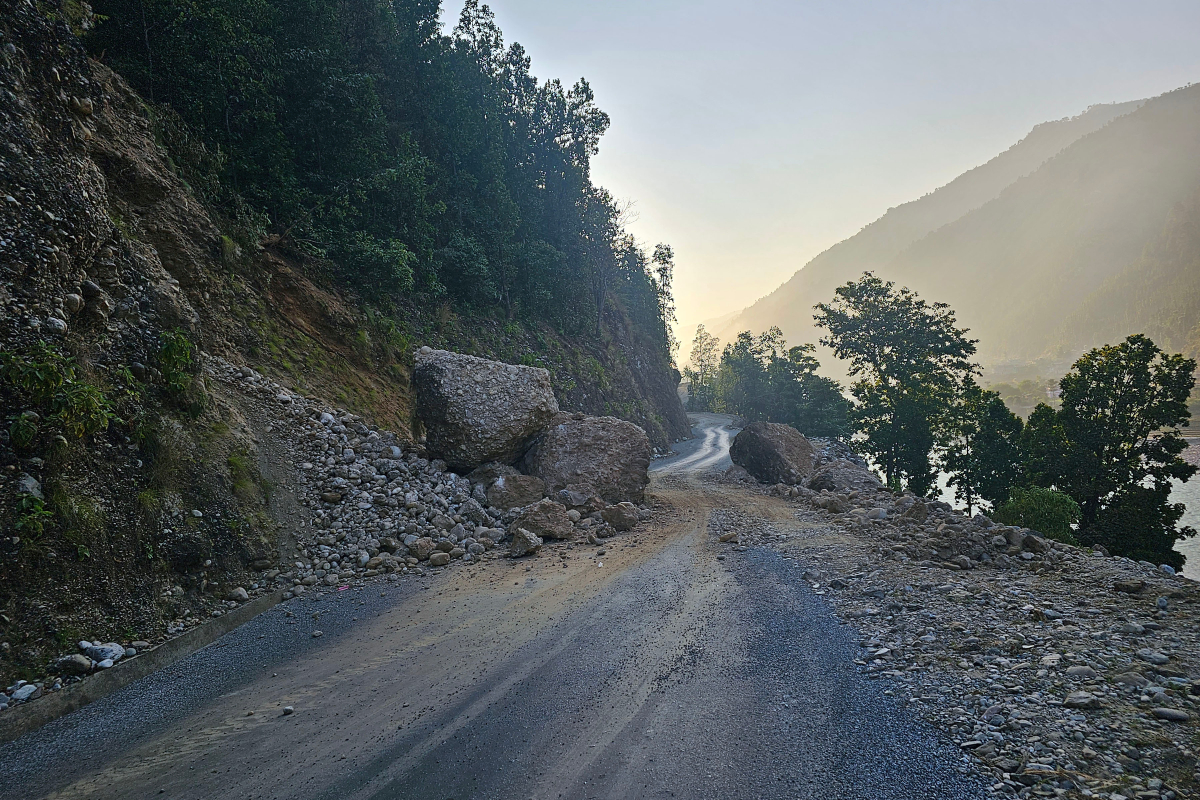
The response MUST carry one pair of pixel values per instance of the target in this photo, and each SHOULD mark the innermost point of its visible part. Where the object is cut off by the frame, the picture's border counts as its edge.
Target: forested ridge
(420, 163)
(1056, 261)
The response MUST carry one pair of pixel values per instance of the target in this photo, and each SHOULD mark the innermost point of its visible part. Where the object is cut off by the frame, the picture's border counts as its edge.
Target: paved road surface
(655, 670)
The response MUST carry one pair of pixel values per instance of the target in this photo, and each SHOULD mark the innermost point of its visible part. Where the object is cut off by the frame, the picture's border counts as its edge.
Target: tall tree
(909, 356)
(981, 452)
(762, 379)
(701, 370)
(1115, 445)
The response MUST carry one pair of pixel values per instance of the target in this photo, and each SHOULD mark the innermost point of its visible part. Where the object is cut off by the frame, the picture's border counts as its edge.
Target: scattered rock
(1171, 714)
(622, 516)
(74, 664)
(546, 519)
(523, 543)
(1082, 700)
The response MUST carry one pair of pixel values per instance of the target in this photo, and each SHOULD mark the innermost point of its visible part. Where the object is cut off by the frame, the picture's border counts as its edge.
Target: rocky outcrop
(604, 454)
(475, 410)
(773, 453)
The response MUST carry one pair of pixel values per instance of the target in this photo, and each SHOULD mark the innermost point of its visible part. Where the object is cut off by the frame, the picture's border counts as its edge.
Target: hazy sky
(753, 135)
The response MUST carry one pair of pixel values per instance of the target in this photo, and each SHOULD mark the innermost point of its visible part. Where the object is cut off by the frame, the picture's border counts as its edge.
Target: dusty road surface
(657, 668)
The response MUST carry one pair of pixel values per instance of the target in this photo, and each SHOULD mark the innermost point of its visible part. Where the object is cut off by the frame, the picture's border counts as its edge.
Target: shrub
(1047, 511)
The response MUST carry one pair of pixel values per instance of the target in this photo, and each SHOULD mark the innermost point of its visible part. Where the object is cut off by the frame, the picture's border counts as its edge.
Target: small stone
(74, 664)
(56, 325)
(622, 516)
(197, 513)
(524, 543)
(1153, 656)
(26, 693)
(317, 634)
(331, 497)
(1171, 714)
(439, 559)
(1081, 700)
(101, 652)
(1131, 679)
(239, 595)
(288, 711)
(1081, 672)
(106, 663)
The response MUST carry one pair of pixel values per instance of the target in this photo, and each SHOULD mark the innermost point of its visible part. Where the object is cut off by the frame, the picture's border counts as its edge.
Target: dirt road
(662, 666)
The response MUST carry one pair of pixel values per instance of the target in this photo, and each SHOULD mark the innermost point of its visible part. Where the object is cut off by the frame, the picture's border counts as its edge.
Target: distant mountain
(1022, 246)
(1158, 295)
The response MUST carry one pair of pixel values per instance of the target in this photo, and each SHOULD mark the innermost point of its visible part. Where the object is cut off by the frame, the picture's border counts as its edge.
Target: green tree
(981, 451)
(908, 357)
(702, 368)
(1115, 446)
(761, 379)
(1047, 511)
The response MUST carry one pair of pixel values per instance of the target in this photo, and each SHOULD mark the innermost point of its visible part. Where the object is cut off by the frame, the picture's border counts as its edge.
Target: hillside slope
(1014, 268)
(1158, 294)
(872, 248)
(116, 281)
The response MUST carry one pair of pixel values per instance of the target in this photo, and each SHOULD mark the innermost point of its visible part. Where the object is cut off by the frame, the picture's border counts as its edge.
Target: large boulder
(475, 410)
(546, 519)
(607, 455)
(773, 453)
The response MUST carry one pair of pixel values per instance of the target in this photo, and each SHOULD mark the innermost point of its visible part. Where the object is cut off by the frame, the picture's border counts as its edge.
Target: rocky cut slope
(135, 488)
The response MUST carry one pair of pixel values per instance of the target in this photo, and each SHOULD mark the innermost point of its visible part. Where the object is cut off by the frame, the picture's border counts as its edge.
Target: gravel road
(656, 669)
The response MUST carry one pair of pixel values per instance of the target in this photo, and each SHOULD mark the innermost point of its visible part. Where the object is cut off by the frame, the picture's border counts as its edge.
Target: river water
(1189, 494)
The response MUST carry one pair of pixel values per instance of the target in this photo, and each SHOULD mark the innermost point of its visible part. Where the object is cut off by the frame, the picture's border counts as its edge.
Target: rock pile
(378, 507)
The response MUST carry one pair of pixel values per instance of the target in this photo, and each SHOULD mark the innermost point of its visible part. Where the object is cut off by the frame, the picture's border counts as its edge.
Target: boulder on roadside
(475, 410)
(514, 491)
(622, 516)
(546, 519)
(523, 543)
(773, 453)
(74, 664)
(606, 454)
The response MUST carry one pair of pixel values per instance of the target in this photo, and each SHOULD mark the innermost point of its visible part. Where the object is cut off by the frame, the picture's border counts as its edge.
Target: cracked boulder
(608, 456)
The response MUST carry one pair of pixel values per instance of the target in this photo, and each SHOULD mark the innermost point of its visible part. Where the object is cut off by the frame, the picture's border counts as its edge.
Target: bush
(1047, 511)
